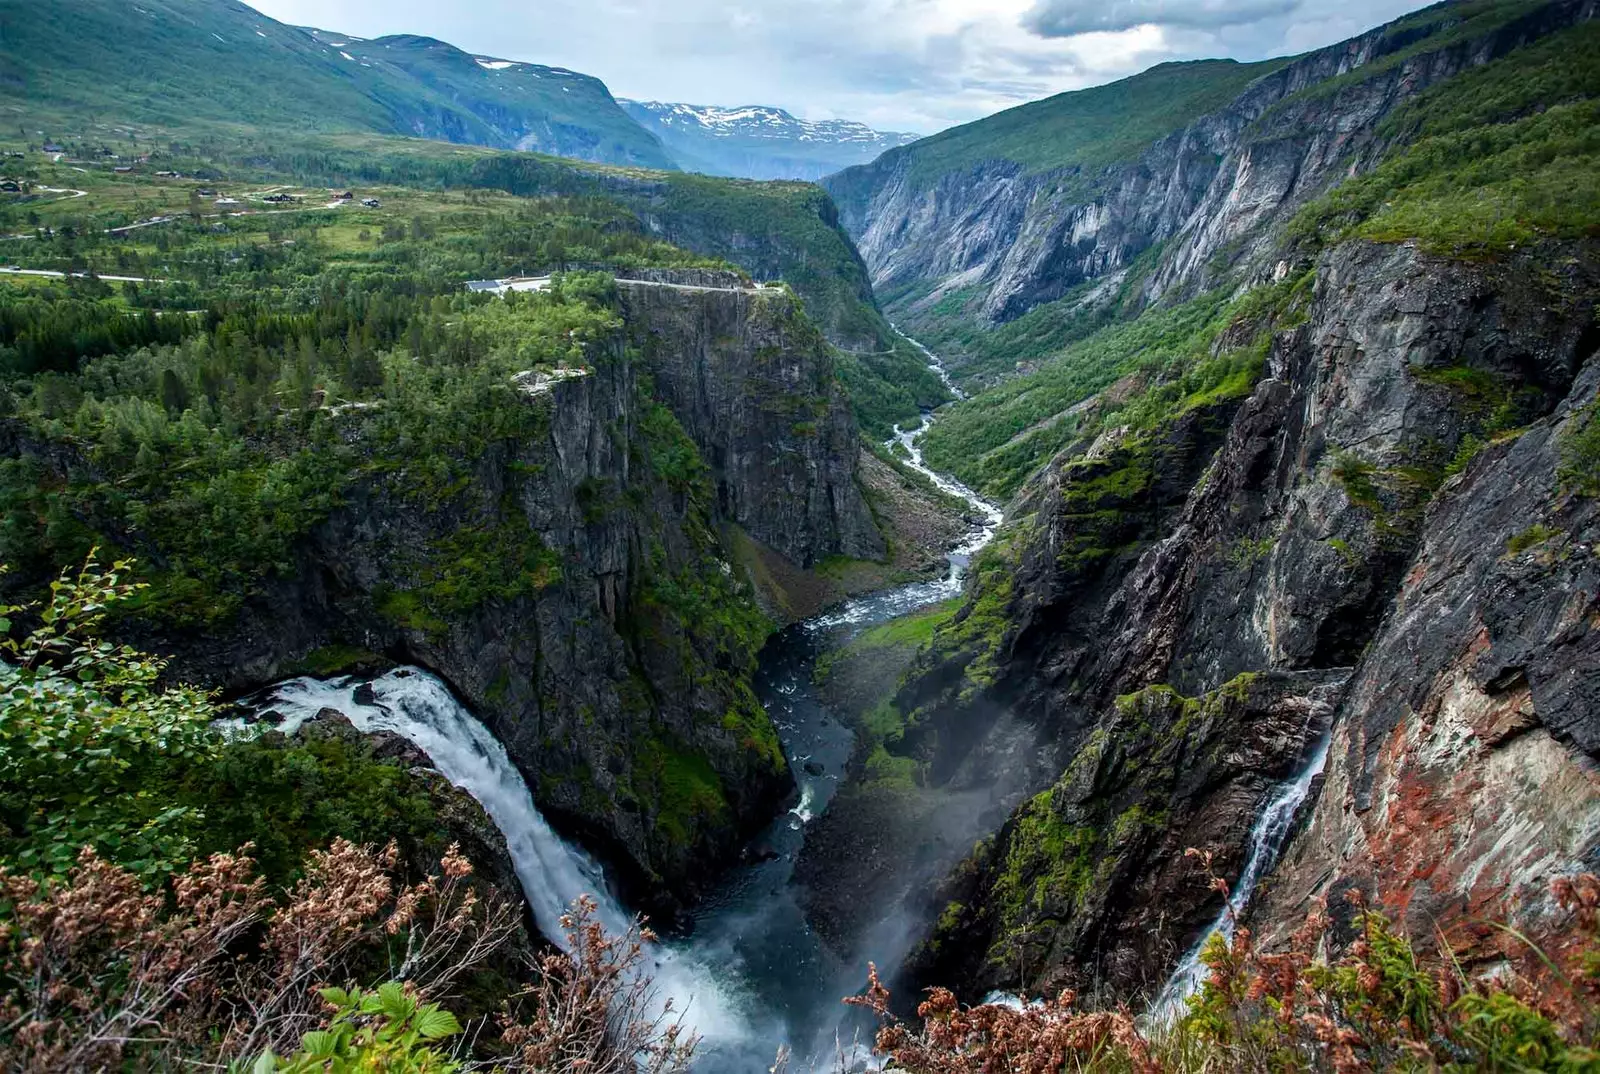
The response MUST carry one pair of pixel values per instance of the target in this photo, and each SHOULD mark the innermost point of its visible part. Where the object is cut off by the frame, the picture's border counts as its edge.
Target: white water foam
(880, 607)
(419, 707)
(1267, 838)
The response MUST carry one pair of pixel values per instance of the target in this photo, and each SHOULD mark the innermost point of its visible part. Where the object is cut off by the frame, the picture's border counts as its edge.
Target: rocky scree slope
(570, 581)
(1388, 537)
(1160, 186)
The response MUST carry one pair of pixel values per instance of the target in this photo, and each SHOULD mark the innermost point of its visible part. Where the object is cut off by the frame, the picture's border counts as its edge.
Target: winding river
(754, 976)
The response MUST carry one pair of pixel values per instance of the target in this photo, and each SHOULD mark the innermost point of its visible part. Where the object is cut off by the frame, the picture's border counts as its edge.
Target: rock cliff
(1198, 205)
(1374, 541)
(570, 579)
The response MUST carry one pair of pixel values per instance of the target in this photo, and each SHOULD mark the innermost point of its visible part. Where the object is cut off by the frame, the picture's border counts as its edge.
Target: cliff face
(573, 586)
(750, 379)
(1201, 204)
(1190, 608)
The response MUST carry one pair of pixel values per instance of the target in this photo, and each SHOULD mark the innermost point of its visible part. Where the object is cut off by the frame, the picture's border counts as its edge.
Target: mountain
(183, 64)
(757, 142)
(1288, 375)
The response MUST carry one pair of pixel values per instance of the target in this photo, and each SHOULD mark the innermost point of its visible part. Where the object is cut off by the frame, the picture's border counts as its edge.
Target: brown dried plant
(1376, 1006)
(95, 971)
(594, 1009)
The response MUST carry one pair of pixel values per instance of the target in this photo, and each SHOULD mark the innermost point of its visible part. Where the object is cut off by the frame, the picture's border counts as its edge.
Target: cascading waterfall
(773, 983)
(420, 708)
(1267, 839)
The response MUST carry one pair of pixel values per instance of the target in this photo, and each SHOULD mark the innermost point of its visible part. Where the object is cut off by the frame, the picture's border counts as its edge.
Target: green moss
(406, 608)
(1580, 453)
(687, 792)
(337, 660)
(1534, 535)
(1049, 864)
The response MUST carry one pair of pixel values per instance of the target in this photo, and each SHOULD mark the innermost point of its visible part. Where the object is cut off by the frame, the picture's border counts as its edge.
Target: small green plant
(386, 1030)
(1580, 453)
(1533, 536)
(1356, 476)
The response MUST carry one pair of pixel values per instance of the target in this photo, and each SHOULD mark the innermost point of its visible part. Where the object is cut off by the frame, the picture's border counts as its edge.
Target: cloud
(1065, 18)
(917, 65)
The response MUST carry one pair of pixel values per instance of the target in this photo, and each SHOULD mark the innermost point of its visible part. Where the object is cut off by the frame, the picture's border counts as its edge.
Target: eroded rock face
(1322, 527)
(618, 675)
(752, 383)
(1212, 196)
(1462, 778)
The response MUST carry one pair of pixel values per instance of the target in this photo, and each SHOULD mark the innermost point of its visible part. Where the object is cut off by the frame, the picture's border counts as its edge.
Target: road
(542, 283)
(8, 270)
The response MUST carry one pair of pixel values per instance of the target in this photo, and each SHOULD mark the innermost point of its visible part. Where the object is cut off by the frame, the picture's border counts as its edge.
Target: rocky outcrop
(1325, 524)
(569, 579)
(1462, 777)
(752, 383)
(1208, 202)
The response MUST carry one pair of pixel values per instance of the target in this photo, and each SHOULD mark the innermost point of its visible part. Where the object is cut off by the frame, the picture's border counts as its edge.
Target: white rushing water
(879, 607)
(771, 977)
(421, 709)
(1267, 838)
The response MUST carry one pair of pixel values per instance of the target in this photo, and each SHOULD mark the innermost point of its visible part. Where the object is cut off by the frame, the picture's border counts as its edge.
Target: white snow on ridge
(495, 65)
(347, 56)
(764, 122)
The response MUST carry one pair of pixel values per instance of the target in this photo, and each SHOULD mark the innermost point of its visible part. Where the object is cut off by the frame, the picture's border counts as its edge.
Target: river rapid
(753, 977)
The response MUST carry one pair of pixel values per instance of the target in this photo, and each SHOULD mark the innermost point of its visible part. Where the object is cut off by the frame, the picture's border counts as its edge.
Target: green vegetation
(95, 751)
(1580, 452)
(1535, 535)
(216, 453)
(862, 677)
(1503, 155)
(1172, 358)
(1049, 865)
(685, 791)
(199, 67)
(1079, 132)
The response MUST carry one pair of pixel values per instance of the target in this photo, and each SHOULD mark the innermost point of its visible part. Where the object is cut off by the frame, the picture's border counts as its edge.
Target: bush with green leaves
(89, 736)
(385, 1031)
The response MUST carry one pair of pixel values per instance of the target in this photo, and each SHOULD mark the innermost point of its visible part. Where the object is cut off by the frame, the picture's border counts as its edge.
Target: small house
(51, 147)
(344, 195)
(205, 192)
(10, 186)
(371, 203)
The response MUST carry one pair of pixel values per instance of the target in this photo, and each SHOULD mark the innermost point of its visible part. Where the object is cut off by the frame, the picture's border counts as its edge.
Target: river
(753, 976)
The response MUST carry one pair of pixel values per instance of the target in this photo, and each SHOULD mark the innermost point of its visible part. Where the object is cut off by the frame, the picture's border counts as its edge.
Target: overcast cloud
(918, 65)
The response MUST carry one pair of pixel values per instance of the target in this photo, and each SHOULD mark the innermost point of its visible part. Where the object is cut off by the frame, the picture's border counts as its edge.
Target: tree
(84, 731)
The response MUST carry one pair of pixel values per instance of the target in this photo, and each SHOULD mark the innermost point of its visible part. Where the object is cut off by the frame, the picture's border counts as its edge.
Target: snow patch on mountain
(761, 121)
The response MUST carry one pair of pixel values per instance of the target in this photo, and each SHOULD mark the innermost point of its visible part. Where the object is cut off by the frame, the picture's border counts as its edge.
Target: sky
(910, 65)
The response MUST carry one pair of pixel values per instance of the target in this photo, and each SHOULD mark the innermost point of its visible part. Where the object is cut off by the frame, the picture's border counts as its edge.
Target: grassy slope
(187, 64)
(1503, 155)
(1083, 130)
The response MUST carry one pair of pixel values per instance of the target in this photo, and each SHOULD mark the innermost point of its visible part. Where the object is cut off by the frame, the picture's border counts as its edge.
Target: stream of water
(753, 976)
(1267, 839)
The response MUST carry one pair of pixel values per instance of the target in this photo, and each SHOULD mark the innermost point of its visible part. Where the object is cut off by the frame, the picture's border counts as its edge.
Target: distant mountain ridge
(760, 141)
(179, 63)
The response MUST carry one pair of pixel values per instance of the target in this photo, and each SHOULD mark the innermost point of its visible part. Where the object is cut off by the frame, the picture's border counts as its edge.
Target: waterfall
(1267, 839)
(419, 707)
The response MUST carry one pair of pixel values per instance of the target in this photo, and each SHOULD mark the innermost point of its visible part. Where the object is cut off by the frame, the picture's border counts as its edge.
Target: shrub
(1378, 1007)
